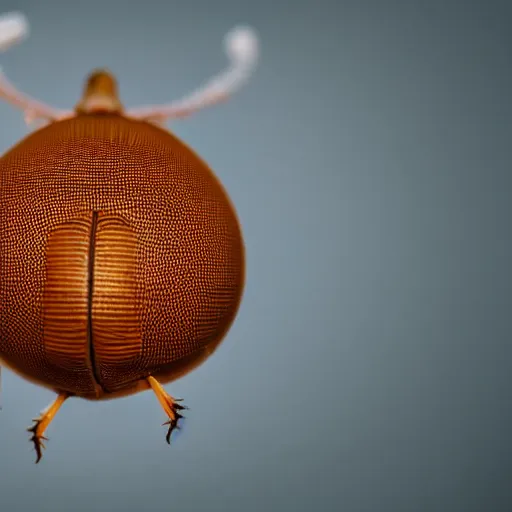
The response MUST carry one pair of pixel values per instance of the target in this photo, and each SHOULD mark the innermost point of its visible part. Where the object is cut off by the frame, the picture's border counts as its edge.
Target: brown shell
(121, 256)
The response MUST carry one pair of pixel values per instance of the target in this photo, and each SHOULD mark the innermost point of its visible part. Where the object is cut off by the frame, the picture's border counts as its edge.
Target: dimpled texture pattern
(120, 255)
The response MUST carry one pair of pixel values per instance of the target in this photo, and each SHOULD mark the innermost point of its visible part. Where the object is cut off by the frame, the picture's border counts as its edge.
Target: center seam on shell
(90, 289)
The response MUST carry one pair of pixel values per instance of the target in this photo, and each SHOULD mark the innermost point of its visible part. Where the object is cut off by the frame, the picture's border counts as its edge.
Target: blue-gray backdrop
(369, 159)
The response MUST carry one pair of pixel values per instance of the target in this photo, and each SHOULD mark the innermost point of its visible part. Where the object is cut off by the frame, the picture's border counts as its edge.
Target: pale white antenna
(242, 48)
(13, 29)
(241, 45)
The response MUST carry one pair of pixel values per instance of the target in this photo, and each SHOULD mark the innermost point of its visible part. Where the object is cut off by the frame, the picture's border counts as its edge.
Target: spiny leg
(41, 424)
(169, 404)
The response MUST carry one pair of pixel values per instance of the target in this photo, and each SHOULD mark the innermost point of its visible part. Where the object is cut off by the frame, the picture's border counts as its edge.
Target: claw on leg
(169, 404)
(41, 424)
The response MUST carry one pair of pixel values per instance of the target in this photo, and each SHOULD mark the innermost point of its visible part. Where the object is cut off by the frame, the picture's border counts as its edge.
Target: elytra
(121, 254)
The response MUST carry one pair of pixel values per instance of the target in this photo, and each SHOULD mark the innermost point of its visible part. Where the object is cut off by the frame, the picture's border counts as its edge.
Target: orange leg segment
(169, 404)
(41, 424)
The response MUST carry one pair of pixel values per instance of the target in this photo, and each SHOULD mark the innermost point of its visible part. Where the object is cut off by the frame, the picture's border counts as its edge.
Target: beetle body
(120, 254)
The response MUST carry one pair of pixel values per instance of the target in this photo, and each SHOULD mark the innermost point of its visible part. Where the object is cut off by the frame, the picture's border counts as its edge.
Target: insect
(122, 261)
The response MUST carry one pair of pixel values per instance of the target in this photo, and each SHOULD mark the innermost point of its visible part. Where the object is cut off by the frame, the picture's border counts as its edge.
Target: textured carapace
(120, 255)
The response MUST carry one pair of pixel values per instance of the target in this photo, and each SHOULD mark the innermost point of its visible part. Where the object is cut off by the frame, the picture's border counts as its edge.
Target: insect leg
(41, 424)
(169, 404)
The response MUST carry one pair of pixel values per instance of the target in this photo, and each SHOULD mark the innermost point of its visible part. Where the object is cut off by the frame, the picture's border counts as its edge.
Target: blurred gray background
(369, 158)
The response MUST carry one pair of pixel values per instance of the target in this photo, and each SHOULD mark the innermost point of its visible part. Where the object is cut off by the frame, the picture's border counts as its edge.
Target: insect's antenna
(242, 48)
(13, 29)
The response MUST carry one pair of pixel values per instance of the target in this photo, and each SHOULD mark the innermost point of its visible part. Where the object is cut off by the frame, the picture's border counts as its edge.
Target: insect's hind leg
(41, 424)
(169, 404)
